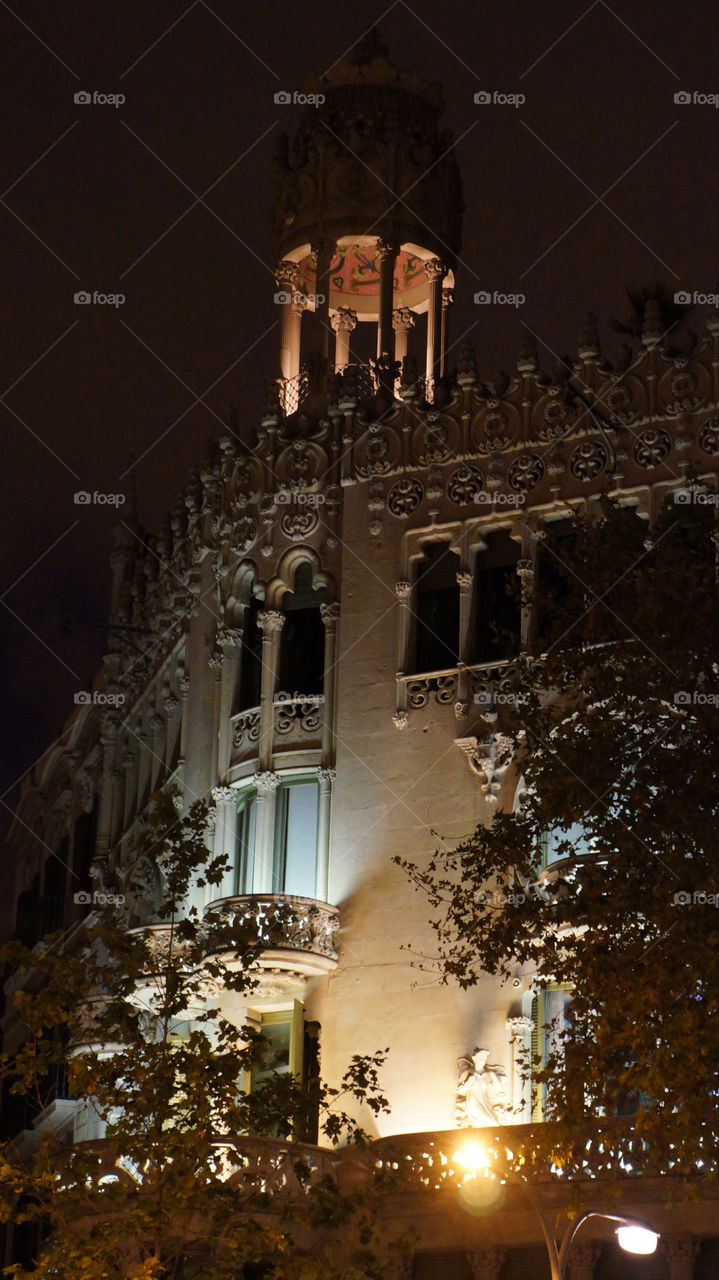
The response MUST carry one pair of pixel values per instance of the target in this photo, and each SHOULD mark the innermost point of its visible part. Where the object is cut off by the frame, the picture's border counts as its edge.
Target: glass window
(251, 658)
(246, 822)
(575, 836)
(497, 600)
(551, 1013)
(295, 862)
(436, 607)
(302, 642)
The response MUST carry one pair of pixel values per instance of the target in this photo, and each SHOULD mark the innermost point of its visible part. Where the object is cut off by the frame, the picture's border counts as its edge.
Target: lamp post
(632, 1236)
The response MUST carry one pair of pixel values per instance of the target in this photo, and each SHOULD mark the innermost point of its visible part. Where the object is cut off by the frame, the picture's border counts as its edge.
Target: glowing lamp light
(634, 1239)
(473, 1157)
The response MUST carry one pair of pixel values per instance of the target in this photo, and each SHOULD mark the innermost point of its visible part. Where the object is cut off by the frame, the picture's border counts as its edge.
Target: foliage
(615, 728)
(172, 1191)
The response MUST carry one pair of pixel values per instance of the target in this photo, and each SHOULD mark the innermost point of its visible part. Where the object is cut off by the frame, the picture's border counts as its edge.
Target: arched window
(436, 604)
(497, 601)
(302, 642)
(251, 658)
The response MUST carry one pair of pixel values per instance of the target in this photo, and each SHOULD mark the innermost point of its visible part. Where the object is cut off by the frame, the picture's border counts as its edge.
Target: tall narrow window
(295, 861)
(497, 602)
(245, 865)
(251, 659)
(437, 609)
(559, 589)
(551, 1013)
(302, 643)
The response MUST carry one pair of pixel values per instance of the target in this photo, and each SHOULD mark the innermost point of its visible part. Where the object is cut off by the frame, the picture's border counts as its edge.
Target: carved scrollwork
(652, 447)
(526, 472)
(246, 728)
(588, 460)
(299, 924)
(244, 534)
(298, 525)
(709, 437)
(419, 691)
(405, 496)
(464, 484)
(304, 714)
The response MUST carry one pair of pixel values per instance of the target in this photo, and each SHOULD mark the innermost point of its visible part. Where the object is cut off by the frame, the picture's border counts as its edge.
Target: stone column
(525, 572)
(520, 1040)
(344, 322)
(266, 783)
(270, 622)
(447, 300)
(387, 254)
(680, 1254)
(325, 777)
(403, 592)
(216, 663)
(403, 319)
(486, 1263)
(225, 839)
(582, 1260)
(229, 641)
(330, 616)
(324, 252)
(108, 744)
(157, 748)
(435, 271)
(464, 582)
(287, 279)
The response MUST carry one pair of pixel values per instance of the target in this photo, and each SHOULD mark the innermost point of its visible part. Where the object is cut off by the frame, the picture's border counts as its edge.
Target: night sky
(598, 181)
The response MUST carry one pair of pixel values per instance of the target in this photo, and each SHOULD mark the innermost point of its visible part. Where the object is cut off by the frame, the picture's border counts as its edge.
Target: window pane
(277, 1037)
(296, 849)
(246, 844)
(497, 608)
(575, 836)
(437, 609)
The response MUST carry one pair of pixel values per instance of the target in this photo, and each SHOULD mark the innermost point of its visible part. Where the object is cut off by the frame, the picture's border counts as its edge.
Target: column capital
(403, 319)
(403, 591)
(326, 775)
(519, 1028)
(386, 249)
(435, 269)
(270, 620)
(222, 794)
(447, 298)
(266, 782)
(330, 612)
(464, 581)
(287, 273)
(486, 1263)
(344, 320)
(680, 1253)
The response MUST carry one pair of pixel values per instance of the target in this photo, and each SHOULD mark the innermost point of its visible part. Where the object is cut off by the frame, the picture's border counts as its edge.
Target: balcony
(297, 725)
(297, 935)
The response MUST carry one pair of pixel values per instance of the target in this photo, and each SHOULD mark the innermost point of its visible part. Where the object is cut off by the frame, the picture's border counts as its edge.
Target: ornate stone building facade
(308, 641)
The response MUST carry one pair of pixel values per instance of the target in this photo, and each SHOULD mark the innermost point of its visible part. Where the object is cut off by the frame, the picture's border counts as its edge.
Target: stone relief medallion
(464, 484)
(619, 398)
(377, 451)
(299, 524)
(555, 415)
(526, 472)
(652, 447)
(244, 533)
(405, 496)
(709, 437)
(683, 383)
(588, 460)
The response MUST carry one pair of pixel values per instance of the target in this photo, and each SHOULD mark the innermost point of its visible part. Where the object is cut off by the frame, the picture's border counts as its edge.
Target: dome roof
(369, 134)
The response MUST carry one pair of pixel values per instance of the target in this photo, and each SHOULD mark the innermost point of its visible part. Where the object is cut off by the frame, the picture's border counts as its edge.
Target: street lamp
(632, 1236)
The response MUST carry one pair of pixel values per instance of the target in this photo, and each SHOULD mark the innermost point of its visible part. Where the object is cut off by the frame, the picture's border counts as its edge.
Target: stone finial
(528, 353)
(589, 339)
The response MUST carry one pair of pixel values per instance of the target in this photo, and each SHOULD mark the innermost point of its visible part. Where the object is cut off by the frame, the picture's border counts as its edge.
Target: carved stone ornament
(403, 591)
(481, 1094)
(222, 795)
(652, 447)
(583, 1259)
(400, 719)
(526, 472)
(489, 760)
(244, 534)
(486, 1263)
(435, 269)
(680, 1252)
(326, 775)
(270, 620)
(171, 704)
(464, 484)
(267, 781)
(298, 525)
(588, 460)
(405, 496)
(709, 437)
(330, 613)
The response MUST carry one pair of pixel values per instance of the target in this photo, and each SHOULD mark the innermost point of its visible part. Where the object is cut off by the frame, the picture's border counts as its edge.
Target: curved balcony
(296, 934)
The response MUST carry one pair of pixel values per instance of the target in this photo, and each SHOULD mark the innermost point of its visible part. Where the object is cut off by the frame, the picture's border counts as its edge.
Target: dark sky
(597, 182)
